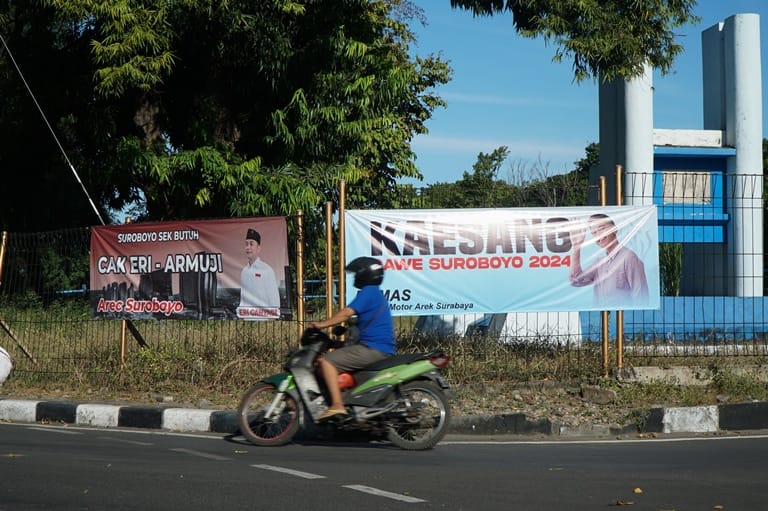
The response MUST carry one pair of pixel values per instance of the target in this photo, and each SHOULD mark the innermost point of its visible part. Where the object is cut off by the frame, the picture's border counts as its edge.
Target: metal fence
(712, 264)
(711, 256)
(711, 232)
(48, 329)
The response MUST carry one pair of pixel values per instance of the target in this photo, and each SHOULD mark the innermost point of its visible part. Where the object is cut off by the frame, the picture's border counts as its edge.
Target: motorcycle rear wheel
(281, 425)
(422, 417)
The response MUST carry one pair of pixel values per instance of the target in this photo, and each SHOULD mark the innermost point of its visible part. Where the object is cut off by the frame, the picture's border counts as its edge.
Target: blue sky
(506, 91)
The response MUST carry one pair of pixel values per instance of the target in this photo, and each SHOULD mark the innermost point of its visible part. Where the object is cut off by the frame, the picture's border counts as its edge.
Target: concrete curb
(119, 416)
(696, 419)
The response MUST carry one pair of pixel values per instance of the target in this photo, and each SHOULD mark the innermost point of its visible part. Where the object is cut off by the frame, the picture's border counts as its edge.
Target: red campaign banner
(199, 269)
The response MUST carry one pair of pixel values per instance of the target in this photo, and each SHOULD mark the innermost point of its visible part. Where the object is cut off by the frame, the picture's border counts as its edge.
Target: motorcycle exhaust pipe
(374, 412)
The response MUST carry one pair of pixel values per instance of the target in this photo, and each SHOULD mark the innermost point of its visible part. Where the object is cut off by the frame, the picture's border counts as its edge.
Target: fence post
(123, 327)
(2, 255)
(620, 313)
(300, 270)
(329, 259)
(604, 314)
(342, 247)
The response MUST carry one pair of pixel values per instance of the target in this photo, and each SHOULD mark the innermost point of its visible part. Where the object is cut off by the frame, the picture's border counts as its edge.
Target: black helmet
(368, 271)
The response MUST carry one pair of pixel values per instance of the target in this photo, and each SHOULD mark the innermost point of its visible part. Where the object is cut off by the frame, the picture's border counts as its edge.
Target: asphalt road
(71, 468)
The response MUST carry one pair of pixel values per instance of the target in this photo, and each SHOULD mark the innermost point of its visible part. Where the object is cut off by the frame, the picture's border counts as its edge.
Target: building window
(686, 187)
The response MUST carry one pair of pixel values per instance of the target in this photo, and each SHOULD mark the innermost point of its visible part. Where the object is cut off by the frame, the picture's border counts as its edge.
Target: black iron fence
(711, 257)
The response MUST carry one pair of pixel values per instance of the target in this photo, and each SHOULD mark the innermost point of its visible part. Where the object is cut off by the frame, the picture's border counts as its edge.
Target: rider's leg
(331, 377)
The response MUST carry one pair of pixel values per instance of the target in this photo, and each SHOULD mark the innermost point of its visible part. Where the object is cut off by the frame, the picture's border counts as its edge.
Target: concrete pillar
(733, 103)
(638, 165)
(611, 133)
(626, 138)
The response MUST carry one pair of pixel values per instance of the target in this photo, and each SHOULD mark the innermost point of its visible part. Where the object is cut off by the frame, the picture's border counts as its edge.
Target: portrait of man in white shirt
(259, 294)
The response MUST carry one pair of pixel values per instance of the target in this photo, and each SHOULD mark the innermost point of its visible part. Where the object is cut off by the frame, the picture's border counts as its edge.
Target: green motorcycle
(403, 398)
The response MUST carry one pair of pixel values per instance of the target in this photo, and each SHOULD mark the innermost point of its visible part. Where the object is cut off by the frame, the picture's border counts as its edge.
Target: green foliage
(605, 39)
(200, 109)
(739, 387)
(26, 299)
(661, 393)
(480, 188)
(79, 357)
(164, 362)
(45, 264)
(670, 267)
(62, 272)
(590, 160)
(765, 167)
(525, 186)
(130, 42)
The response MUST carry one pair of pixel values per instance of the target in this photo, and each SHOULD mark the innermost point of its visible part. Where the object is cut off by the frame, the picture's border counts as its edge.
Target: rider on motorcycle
(376, 331)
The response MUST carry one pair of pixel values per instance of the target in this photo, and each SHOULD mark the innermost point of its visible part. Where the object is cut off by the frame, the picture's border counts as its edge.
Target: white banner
(460, 261)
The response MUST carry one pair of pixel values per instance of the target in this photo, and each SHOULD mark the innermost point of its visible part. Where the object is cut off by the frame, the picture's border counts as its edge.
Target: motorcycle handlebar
(313, 335)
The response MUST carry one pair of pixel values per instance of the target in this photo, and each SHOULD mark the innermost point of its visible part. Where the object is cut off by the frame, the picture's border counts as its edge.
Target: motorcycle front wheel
(421, 419)
(268, 417)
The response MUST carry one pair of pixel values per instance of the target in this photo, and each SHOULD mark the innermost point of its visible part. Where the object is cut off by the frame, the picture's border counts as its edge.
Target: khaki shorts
(354, 357)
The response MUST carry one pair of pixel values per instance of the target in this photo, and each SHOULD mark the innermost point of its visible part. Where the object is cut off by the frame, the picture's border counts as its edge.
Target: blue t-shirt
(377, 330)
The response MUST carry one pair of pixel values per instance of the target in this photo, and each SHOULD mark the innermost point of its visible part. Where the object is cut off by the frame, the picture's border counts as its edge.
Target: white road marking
(602, 441)
(122, 440)
(297, 473)
(58, 430)
(201, 454)
(382, 493)
(158, 432)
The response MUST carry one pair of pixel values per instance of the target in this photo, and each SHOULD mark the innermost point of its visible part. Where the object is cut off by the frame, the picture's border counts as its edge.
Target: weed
(216, 361)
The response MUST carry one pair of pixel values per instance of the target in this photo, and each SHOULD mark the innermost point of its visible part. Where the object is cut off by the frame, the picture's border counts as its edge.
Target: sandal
(333, 413)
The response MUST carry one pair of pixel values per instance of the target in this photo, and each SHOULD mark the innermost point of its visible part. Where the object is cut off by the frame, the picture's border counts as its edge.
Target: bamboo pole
(342, 248)
(329, 259)
(604, 314)
(620, 313)
(300, 271)
(123, 328)
(2, 255)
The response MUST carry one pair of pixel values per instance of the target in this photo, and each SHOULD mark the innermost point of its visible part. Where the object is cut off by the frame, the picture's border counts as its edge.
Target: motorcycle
(403, 398)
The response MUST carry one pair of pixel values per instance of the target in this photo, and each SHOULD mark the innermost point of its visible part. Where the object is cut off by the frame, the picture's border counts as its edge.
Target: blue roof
(683, 152)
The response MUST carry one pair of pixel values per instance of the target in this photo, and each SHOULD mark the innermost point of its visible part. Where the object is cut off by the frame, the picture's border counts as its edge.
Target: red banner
(198, 269)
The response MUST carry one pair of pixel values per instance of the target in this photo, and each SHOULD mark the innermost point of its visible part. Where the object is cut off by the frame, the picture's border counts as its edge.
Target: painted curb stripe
(18, 411)
(182, 419)
(697, 419)
(51, 411)
(105, 416)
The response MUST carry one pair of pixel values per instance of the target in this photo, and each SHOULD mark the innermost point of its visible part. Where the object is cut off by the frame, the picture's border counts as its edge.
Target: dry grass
(211, 363)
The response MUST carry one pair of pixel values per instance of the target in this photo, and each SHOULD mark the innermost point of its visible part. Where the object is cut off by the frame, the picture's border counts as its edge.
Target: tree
(545, 189)
(482, 186)
(526, 185)
(765, 155)
(478, 189)
(605, 39)
(200, 108)
(42, 194)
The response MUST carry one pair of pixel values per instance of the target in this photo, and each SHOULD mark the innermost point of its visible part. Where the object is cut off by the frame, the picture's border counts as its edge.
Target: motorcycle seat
(406, 358)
